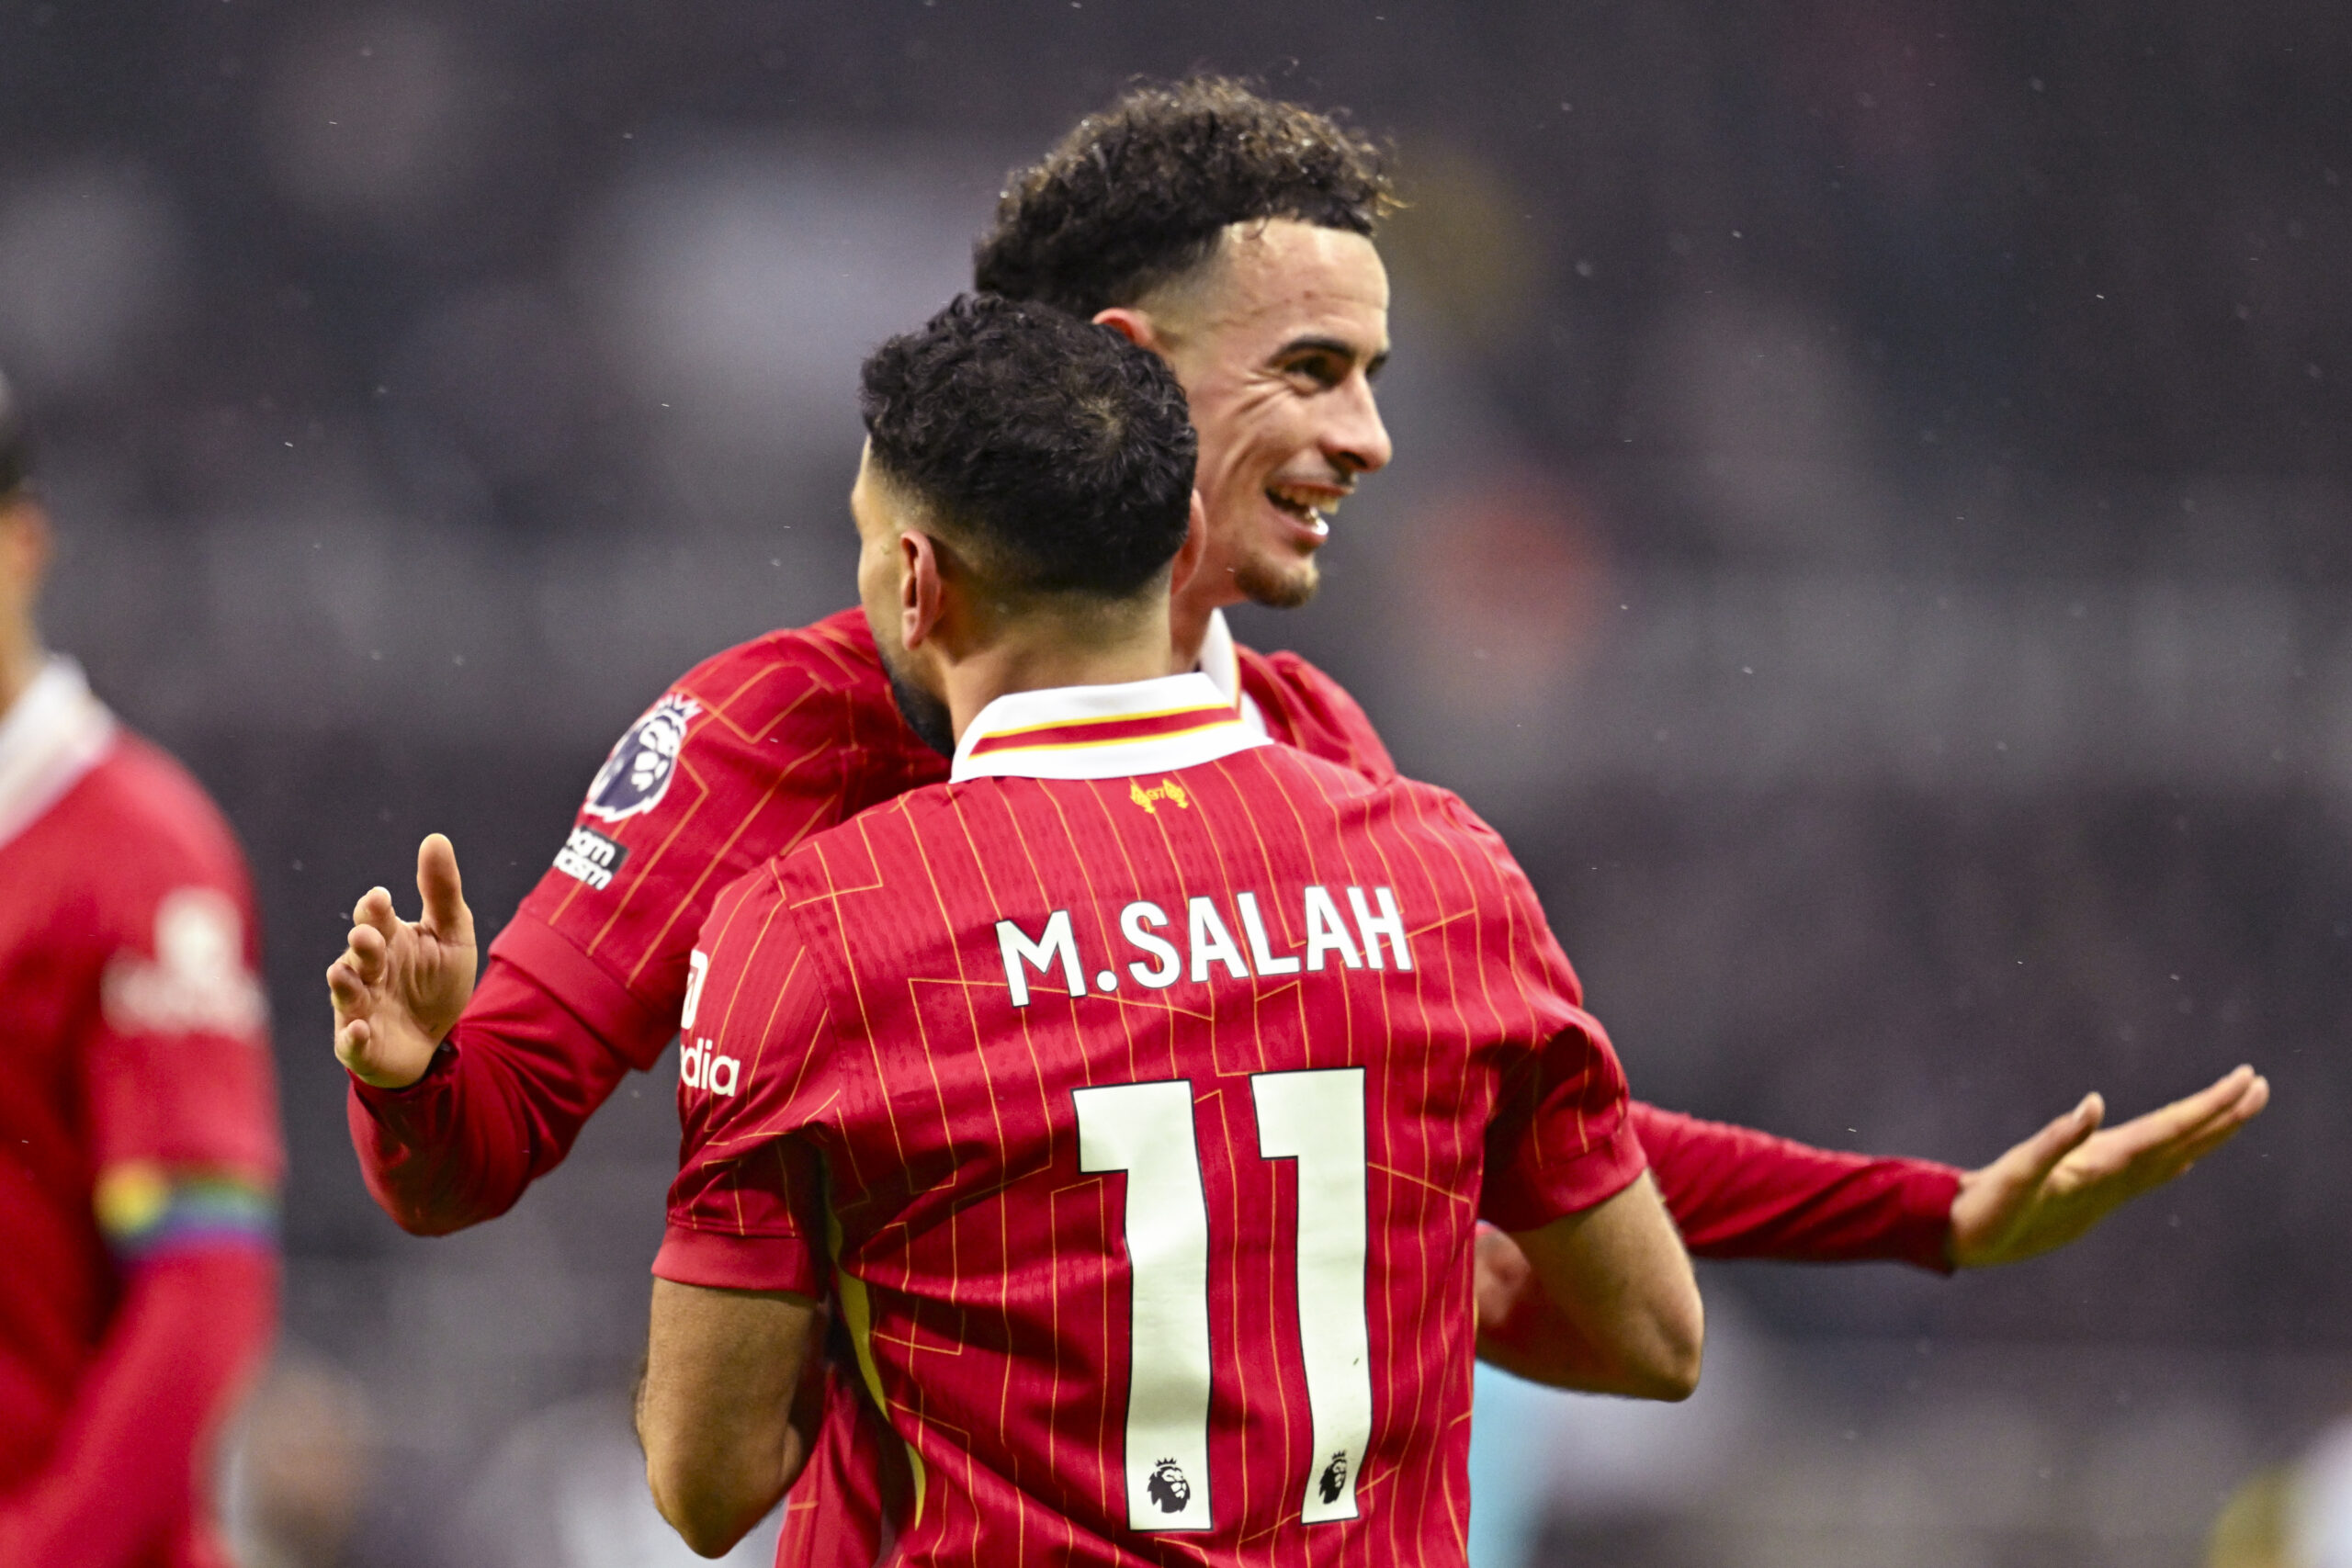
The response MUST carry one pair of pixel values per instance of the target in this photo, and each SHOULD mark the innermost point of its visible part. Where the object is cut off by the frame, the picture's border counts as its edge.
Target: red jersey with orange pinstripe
(1137, 1091)
(750, 752)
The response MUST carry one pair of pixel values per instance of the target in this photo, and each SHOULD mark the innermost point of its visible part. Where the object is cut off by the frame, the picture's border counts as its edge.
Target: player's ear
(921, 602)
(1134, 325)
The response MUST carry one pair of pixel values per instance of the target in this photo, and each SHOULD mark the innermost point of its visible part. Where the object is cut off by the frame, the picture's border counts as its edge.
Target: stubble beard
(925, 714)
(1277, 587)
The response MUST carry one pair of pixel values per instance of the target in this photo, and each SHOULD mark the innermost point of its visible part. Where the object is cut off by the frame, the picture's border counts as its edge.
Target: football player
(1138, 1089)
(1235, 235)
(139, 1146)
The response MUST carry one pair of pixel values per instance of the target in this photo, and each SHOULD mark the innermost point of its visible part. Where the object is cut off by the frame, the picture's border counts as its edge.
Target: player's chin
(1279, 584)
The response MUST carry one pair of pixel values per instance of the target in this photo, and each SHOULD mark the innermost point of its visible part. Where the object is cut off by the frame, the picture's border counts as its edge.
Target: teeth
(1307, 512)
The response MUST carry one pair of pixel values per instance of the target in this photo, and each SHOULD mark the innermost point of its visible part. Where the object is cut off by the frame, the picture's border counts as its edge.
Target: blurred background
(1870, 524)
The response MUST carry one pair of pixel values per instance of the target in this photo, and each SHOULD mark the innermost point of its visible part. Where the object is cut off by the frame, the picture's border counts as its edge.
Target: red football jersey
(786, 735)
(137, 1102)
(1138, 1092)
(752, 751)
(780, 737)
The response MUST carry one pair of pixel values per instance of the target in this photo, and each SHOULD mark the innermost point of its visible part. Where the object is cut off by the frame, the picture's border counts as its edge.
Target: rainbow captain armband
(148, 1210)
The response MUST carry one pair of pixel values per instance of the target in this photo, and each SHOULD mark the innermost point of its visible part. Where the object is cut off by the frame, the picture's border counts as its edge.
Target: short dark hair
(15, 445)
(1055, 452)
(1139, 195)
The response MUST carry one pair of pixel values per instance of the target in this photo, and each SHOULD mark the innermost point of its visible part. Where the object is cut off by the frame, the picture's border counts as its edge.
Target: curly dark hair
(1137, 195)
(1055, 452)
(15, 445)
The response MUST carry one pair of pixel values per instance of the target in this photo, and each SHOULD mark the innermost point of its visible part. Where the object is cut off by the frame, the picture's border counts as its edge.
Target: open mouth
(1310, 509)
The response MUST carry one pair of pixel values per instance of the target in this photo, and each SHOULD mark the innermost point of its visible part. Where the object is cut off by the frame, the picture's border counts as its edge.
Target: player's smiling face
(1277, 343)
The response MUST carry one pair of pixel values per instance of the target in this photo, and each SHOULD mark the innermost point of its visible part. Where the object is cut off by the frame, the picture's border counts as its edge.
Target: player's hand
(400, 985)
(2071, 1174)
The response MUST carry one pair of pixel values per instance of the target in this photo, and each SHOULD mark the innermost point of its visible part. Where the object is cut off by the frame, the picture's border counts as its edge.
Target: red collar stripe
(1105, 731)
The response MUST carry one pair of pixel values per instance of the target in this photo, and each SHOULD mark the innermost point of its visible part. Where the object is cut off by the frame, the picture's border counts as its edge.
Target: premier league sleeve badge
(637, 776)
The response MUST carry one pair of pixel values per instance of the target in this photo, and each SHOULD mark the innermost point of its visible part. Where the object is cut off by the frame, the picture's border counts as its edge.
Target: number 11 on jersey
(1314, 1118)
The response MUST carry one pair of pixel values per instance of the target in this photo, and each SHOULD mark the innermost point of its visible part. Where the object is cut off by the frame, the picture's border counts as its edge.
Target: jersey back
(1140, 1123)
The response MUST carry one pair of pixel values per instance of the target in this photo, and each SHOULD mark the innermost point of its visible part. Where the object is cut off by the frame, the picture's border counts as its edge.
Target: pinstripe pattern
(795, 732)
(886, 1070)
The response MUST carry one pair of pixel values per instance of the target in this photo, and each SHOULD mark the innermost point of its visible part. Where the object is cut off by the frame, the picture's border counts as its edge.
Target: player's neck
(1188, 628)
(1037, 663)
(20, 660)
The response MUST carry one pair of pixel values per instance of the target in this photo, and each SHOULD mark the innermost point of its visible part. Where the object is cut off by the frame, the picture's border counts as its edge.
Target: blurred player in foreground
(139, 1152)
(1233, 235)
(1169, 1255)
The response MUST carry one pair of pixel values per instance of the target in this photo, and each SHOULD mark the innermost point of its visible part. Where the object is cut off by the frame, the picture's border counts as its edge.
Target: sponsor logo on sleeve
(588, 856)
(638, 773)
(699, 1066)
(197, 982)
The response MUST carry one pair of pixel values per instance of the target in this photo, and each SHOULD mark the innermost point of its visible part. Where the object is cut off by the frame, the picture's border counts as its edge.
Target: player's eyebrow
(1315, 343)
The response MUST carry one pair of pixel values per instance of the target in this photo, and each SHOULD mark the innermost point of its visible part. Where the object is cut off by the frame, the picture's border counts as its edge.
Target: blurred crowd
(1868, 524)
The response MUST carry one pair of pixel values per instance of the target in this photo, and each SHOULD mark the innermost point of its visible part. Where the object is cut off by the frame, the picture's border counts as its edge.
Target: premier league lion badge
(637, 776)
(1167, 1486)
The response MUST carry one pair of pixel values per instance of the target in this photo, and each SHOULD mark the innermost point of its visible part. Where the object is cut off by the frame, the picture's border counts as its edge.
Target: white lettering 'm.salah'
(1375, 938)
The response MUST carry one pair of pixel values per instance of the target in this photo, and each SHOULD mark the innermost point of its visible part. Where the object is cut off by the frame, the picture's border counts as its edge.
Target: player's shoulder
(798, 703)
(835, 652)
(157, 822)
(1437, 814)
(787, 673)
(1306, 708)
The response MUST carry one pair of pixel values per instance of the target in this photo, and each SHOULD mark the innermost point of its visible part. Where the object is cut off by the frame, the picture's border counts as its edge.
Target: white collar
(1218, 660)
(1103, 732)
(53, 733)
(1221, 662)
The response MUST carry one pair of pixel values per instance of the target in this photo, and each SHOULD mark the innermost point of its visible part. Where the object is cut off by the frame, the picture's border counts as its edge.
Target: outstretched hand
(2071, 1174)
(400, 985)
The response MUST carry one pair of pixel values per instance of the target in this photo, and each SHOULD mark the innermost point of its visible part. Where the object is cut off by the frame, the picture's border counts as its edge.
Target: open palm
(2065, 1179)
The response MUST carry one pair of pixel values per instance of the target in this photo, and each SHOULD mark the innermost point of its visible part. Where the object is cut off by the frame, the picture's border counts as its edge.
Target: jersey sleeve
(1562, 1137)
(1737, 1192)
(747, 1210)
(743, 757)
(178, 1073)
(500, 1107)
(746, 754)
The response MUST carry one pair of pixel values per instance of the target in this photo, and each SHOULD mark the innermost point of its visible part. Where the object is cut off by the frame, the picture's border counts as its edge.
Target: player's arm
(1602, 1301)
(176, 1077)
(182, 1345)
(1735, 1193)
(723, 1409)
(461, 1097)
(730, 1397)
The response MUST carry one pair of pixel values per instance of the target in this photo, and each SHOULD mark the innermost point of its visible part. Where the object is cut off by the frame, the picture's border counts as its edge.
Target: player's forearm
(1601, 1301)
(1522, 1332)
(499, 1109)
(1735, 1193)
(189, 1333)
(716, 1408)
